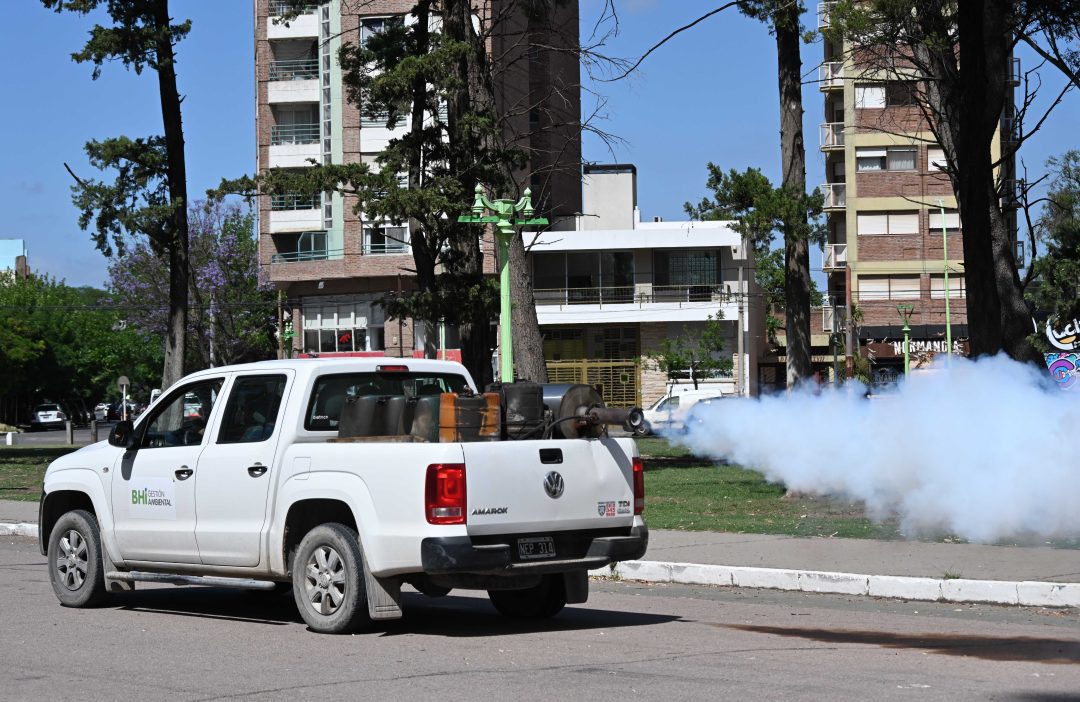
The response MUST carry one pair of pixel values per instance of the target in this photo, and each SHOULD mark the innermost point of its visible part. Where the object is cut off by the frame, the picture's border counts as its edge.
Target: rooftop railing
(631, 294)
(280, 7)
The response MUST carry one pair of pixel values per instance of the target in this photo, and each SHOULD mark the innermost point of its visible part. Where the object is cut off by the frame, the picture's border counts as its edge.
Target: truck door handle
(257, 470)
(183, 473)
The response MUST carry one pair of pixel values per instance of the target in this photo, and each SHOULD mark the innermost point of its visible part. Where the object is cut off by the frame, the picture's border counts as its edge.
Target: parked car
(115, 411)
(669, 413)
(48, 416)
(101, 411)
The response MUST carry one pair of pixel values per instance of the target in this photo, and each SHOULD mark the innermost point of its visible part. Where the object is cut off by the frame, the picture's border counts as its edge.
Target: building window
(888, 287)
(370, 26)
(881, 95)
(957, 288)
(935, 159)
(874, 223)
(891, 158)
(869, 96)
(584, 277)
(342, 327)
(386, 239)
(951, 221)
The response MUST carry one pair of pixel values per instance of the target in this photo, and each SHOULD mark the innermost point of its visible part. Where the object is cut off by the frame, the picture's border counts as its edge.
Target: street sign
(123, 382)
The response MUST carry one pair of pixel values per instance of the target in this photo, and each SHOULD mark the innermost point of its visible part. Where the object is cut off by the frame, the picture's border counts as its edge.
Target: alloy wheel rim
(72, 560)
(324, 580)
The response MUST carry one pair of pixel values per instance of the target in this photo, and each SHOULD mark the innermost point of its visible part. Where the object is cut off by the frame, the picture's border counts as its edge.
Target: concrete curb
(18, 529)
(1026, 593)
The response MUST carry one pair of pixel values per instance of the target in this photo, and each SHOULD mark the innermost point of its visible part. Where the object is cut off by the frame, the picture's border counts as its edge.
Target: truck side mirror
(123, 435)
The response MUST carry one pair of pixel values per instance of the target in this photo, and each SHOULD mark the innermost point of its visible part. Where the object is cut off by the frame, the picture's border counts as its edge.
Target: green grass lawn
(22, 468)
(695, 494)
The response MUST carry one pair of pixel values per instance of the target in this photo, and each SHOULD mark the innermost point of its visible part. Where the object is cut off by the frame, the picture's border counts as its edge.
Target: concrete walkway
(1016, 575)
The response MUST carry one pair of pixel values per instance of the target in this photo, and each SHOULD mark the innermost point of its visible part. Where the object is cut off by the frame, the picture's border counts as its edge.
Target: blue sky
(709, 95)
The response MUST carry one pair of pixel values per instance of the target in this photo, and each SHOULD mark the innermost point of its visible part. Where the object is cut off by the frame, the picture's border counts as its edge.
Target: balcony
(293, 201)
(835, 195)
(389, 247)
(304, 246)
(1010, 131)
(831, 75)
(643, 302)
(832, 136)
(280, 7)
(294, 134)
(834, 317)
(824, 14)
(295, 69)
(834, 257)
(304, 25)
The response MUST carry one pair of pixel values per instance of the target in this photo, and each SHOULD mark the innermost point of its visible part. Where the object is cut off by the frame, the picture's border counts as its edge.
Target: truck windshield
(330, 392)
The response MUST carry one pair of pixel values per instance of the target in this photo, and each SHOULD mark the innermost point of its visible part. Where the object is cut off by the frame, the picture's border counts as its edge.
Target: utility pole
(740, 387)
(905, 313)
(504, 209)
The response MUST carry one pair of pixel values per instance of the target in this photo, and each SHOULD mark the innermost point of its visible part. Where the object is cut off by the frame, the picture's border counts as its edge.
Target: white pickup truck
(236, 477)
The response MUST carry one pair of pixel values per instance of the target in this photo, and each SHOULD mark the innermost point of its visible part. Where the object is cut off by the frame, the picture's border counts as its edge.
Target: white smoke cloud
(985, 449)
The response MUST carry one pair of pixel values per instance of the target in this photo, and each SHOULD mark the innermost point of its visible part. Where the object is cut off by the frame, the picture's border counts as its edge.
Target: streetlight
(905, 313)
(503, 210)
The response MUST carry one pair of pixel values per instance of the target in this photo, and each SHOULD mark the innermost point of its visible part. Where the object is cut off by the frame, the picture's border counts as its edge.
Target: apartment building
(333, 267)
(612, 289)
(888, 201)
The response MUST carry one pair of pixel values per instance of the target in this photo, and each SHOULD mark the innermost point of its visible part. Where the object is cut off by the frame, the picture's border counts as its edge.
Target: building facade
(333, 267)
(13, 258)
(609, 291)
(891, 213)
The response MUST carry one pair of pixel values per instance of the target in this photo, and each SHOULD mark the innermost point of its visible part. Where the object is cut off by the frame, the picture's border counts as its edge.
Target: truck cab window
(252, 409)
(330, 392)
(181, 419)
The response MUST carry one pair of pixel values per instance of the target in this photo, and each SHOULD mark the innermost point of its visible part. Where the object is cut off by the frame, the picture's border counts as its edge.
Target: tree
(149, 170)
(1056, 292)
(962, 103)
(759, 212)
(436, 79)
(783, 19)
(60, 343)
(694, 352)
(231, 311)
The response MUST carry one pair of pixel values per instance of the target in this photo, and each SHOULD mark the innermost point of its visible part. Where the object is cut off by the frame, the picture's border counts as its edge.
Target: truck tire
(540, 602)
(328, 580)
(76, 570)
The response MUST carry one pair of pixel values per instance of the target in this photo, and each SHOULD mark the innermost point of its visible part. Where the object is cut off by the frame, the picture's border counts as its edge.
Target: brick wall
(924, 246)
(927, 310)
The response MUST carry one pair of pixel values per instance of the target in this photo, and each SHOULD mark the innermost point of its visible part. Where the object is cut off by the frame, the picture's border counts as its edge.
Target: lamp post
(504, 210)
(945, 249)
(905, 313)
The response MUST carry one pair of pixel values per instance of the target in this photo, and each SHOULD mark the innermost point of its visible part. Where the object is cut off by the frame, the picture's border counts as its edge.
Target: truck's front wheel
(540, 602)
(75, 566)
(328, 580)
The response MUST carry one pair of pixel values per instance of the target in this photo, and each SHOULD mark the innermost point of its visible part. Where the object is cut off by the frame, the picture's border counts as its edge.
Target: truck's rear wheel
(75, 566)
(540, 602)
(328, 580)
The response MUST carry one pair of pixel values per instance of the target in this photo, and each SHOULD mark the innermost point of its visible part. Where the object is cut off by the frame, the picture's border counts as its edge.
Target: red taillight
(444, 496)
(60, 415)
(392, 369)
(639, 486)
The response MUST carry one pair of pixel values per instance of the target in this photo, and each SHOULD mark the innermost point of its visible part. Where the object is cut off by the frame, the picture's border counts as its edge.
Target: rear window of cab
(330, 392)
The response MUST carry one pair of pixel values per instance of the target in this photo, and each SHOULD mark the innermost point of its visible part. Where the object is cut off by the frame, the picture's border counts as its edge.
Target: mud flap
(110, 584)
(576, 583)
(383, 595)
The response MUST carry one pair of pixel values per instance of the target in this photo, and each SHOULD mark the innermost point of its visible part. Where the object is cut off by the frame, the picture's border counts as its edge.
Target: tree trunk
(423, 254)
(470, 96)
(528, 343)
(793, 158)
(981, 82)
(175, 338)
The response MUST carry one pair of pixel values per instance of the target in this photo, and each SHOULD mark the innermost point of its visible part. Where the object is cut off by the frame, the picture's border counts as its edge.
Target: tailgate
(513, 486)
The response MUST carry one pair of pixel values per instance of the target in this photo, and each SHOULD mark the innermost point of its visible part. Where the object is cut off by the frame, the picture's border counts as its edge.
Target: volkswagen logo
(553, 485)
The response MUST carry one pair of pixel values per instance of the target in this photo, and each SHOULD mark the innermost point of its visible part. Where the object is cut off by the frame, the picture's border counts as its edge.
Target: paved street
(669, 642)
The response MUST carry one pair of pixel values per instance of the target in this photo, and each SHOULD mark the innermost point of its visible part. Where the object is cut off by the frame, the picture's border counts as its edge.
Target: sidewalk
(1017, 575)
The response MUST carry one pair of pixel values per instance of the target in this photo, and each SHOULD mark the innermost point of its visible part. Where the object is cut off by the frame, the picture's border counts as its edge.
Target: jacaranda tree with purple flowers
(232, 311)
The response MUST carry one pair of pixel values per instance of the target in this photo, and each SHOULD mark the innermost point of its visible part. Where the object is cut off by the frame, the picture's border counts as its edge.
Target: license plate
(536, 547)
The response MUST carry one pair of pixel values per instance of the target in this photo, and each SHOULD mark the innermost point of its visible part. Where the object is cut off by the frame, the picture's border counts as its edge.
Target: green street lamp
(504, 221)
(905, 313)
